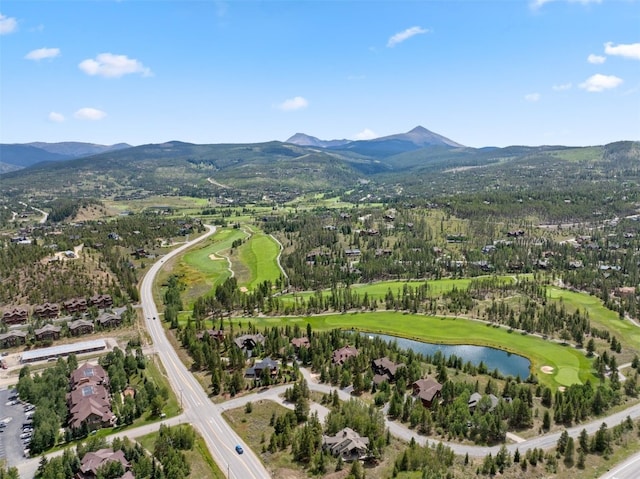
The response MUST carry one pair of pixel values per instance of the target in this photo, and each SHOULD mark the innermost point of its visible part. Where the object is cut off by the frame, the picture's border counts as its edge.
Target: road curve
(198, 408)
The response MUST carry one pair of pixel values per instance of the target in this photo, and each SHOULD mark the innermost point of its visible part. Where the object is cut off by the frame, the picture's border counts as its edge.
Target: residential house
(93, 461)
(88, 401)
(475, 399)
(12, 338)
(15, 315)
(625, 291)
(248, 342)
(427, 390)
(101, 301)
(75, 305)
(301, 343)
(347, 444)
(341, 355)
(109, 320)
(47, 332)
(47, 311)
(80, 326)
(217, 334)
(384, 370)
(257, 370)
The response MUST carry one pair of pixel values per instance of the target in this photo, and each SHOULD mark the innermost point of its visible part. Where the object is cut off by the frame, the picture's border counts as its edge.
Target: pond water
(507, 363)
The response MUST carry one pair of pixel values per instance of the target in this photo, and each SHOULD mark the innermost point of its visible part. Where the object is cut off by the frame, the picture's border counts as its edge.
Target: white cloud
(366, 134)
(539, 3)
(89, 114)
(42, 53)
(113, 66)
(599, 82)
(629, 50)
(562, 87)
(56, 117)
(7, 24)
(596, 59)
(405, 35)
(295, 103)
(532, 97)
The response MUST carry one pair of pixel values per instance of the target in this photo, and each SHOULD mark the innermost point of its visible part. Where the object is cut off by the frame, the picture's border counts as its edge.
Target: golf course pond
(506, 363)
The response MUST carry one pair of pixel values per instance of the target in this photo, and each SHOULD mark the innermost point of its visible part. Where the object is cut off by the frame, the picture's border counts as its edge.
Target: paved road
(198, 409)
(629, 469)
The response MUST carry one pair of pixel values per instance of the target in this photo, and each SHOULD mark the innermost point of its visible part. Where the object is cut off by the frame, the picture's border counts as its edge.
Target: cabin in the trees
(93, 462)
(427, 390)
(248, 342)
(341, 355)
(384, 370)
(347, 444)
(298, 343)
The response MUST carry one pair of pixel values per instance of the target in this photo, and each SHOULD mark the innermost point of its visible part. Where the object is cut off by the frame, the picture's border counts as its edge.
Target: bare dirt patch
(546, 369)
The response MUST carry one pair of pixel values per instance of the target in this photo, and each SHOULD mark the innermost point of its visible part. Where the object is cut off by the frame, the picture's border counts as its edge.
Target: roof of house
(13, 334)
(345, 440)
(93, 373)
(301, 342)
(427, 388)
(79, 323)
(344, 353)
(385, 364)
(249, 340)
(92, 461)
(47, 328)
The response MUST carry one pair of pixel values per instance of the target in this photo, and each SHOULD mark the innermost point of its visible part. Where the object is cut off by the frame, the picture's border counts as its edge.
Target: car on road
(239, 449)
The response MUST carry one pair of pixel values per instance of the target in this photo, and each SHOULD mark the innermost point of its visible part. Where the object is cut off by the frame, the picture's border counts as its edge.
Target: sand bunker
(546, 369)
(243, 289)
(213, 257)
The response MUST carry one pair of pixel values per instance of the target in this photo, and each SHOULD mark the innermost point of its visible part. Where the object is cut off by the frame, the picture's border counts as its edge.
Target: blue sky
(483, 73)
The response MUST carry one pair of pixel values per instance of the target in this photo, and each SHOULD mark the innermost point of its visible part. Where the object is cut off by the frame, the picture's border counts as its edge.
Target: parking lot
(12, 434)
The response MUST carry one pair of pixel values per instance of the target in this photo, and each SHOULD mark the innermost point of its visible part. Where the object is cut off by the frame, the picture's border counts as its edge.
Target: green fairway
(600, 317)
(379, 290)
(259, 254)
(202, 269)
(570, 366)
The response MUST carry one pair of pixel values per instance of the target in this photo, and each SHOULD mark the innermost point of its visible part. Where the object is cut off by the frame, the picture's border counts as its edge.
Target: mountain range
(417, 162)
(22, 155)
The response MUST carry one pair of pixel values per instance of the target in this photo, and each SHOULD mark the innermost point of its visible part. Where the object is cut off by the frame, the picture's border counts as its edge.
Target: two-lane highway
(199, 410)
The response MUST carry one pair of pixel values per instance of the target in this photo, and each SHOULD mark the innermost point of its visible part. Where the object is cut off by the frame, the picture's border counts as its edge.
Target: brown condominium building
(89, 402)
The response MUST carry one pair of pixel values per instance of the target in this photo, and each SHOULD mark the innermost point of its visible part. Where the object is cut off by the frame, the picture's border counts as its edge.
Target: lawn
(570, 366)
(600, 317)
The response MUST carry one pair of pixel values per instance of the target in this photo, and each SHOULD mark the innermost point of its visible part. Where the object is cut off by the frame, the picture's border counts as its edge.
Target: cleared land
(570, 366)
